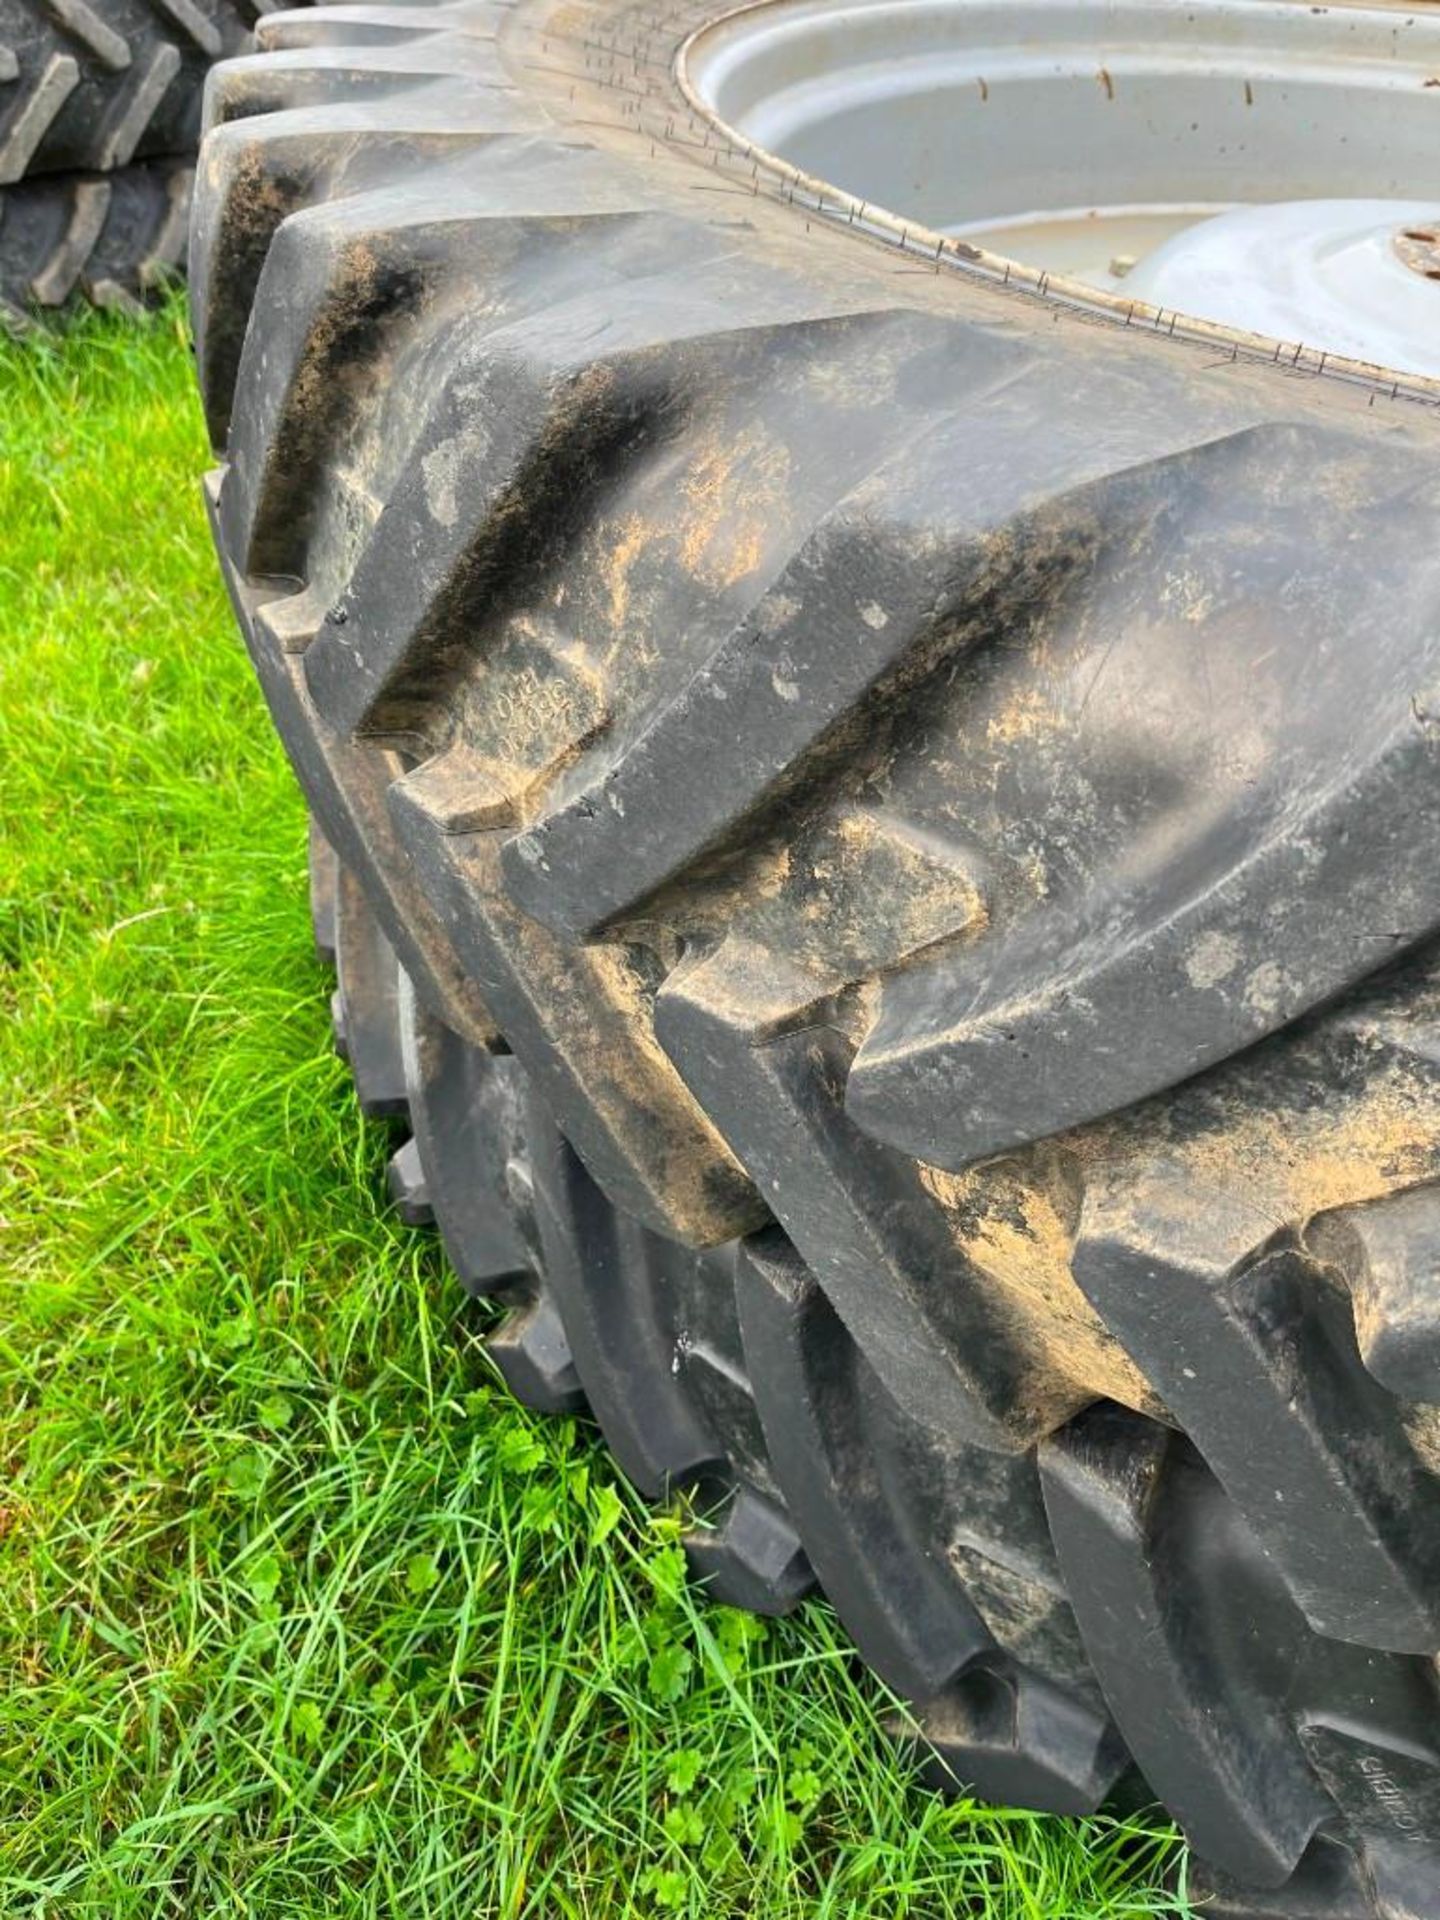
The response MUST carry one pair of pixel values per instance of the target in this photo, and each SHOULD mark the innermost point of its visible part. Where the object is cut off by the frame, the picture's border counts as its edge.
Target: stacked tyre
(880, 829)
(99, 118)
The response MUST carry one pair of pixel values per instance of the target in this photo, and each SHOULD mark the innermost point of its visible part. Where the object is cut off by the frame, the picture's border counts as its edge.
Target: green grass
(299, 1614)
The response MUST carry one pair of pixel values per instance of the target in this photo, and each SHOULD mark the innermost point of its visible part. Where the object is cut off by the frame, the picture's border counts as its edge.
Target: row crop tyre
(880, 829)
(112, 239)
(100, 104)
(90, 85)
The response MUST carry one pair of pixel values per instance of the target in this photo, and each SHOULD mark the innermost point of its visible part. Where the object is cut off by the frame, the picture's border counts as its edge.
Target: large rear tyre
(886, 829)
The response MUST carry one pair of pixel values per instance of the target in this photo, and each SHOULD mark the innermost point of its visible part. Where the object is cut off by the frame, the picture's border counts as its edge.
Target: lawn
(300, 1615)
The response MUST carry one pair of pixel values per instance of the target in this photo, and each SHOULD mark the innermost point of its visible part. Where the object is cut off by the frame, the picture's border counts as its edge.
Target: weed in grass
(300, 1616)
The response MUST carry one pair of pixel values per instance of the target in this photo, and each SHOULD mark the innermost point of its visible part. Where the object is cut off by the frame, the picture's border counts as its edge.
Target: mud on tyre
(879, 829)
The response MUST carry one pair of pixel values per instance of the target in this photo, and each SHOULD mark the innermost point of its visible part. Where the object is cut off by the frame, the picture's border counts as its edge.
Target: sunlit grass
(299, 1615)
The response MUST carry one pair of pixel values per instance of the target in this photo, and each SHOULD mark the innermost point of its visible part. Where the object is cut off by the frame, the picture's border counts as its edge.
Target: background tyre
(92, 87)
(114, 239)
(900, 815)
(99, 119)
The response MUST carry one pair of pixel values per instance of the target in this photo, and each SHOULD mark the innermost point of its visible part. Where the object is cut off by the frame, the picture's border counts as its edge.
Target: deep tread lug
(1019, 1742)
(470, 1155)
(798, 1353)
(657, 1438)
(309, 77)
(1109, 1485)
(466, 1110)
(1389, 1252)
(953, 1087)
(26, 128)
(986, 1719)
(568, 1017)
(813, 658)
(531, 1352)
(257, 175)
(855, 1209)
(657, 1349)
(345, 786)
(405, 1184)
(753, 1559)
(367, 1031)
(1248, 1334)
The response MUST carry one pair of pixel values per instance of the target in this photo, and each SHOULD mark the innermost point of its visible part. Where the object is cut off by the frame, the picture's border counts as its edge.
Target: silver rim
(953, 127)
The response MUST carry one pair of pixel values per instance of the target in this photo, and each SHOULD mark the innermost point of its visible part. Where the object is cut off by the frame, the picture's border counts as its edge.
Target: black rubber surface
(882, 841)
(113, 239)
(94, 84)
(99, 118)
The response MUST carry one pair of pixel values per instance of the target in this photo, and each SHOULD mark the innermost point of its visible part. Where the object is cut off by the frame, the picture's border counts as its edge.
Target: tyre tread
(665, 638)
